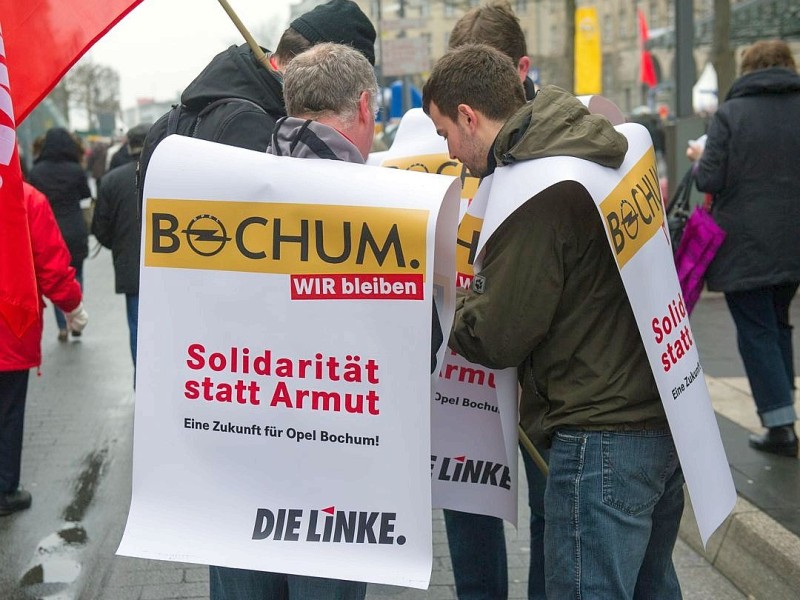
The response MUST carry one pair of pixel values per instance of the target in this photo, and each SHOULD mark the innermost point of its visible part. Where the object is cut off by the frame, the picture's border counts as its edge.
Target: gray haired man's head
(327, 81)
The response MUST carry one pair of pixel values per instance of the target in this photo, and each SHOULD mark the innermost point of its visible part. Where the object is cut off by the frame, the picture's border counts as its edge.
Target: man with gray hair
(331, 98)
(330, 93)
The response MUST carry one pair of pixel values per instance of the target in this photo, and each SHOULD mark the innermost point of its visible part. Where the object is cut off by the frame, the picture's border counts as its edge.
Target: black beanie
(341, 22)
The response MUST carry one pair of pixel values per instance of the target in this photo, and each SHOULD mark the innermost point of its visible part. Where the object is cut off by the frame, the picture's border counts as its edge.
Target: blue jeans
(478, 546)
(132, 309)
(613, 507)
(764, 335)
(242, 584)
(61, 318)
(478, 552)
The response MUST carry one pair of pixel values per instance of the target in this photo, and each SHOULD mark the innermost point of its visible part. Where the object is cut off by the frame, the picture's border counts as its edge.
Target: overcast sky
(163, 44)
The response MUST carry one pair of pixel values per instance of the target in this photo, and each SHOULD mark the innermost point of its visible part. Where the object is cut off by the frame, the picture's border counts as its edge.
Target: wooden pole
(262, 58)
(534, 453)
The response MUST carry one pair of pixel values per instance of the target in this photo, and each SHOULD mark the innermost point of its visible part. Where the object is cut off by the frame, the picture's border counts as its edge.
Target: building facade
(544, 23)
(413, 34)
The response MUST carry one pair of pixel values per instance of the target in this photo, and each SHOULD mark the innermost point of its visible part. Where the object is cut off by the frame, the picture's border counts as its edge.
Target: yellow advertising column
(588, 53)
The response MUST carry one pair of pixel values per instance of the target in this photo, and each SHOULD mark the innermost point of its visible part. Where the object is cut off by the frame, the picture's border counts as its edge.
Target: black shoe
(14, 501)
(781, 440)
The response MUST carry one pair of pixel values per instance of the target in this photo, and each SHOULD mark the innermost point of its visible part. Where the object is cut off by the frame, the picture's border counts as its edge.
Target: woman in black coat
(57, 172)
(750, 165)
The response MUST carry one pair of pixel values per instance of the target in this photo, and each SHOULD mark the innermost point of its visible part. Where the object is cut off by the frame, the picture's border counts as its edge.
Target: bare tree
(60, 97)
(722, 56)
(92, 87)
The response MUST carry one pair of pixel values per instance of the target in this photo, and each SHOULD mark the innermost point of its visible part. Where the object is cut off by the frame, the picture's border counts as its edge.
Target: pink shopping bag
(699, 243)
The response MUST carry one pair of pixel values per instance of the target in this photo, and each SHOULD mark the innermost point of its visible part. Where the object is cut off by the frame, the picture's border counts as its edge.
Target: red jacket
(55, 279)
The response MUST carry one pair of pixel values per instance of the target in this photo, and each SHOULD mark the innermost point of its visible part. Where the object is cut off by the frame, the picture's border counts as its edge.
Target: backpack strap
(174, 118)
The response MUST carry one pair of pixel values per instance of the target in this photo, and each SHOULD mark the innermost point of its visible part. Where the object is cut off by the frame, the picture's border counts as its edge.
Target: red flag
(41, 40)
(647, 71)
(44, 38)
(19, 299)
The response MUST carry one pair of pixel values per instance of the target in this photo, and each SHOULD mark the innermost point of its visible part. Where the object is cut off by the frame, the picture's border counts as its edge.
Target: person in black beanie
(236, 101)
(340, 22)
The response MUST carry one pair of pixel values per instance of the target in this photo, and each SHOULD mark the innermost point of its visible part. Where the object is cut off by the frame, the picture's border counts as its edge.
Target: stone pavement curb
(755, 552)
(751, 549)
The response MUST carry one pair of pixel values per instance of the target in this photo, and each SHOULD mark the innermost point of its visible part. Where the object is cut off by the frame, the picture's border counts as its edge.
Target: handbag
(87, 209)
(678, 209)
(701, 238)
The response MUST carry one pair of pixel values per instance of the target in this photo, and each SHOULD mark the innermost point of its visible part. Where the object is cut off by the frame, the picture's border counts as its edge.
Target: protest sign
(284, 363)
(474, 409)
(630, 205)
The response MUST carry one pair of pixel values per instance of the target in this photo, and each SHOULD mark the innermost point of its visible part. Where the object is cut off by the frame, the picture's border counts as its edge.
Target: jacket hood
(308, 139)
(59, 146)
(775, 80)
(555, 123)
(235, 73)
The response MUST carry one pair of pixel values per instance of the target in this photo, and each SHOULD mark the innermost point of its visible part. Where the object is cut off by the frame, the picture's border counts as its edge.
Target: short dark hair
(767, 54)
(494, 24)
(477, 75)
(136, 136)
(290, 45)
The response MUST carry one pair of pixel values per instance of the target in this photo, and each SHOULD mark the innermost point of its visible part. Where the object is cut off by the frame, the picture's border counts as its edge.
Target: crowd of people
(583, 401)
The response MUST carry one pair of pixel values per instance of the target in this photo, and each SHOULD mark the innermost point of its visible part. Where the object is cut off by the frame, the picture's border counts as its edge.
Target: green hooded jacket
(553, 303)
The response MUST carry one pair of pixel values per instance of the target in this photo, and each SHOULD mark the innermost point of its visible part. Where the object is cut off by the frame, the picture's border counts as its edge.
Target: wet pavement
(76, 452)
(77, 461)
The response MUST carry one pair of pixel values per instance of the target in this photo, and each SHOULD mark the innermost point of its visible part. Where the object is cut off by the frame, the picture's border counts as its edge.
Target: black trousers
(13, 389)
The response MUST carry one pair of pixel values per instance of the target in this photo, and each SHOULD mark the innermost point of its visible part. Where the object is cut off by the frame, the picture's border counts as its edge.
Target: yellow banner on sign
(262, 237)
(441, 164)
(588, 52)
(469, 230)
(633, 212)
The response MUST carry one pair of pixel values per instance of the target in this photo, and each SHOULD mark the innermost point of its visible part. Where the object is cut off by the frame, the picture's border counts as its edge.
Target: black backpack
(184, 121)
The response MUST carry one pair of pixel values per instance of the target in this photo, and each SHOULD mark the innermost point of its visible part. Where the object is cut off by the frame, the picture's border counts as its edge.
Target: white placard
(284, 363)
(632, 211)
(474, 410)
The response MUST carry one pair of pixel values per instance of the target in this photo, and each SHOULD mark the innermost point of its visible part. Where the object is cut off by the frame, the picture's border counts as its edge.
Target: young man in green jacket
(550, 301)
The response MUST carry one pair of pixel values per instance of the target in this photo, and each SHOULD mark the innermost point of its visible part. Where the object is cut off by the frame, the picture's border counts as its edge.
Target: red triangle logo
(459, 458)
(330, 510)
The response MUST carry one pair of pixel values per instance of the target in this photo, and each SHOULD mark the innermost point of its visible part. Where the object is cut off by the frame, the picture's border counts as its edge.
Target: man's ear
(523, 66)
(468, 116)
(365, 106)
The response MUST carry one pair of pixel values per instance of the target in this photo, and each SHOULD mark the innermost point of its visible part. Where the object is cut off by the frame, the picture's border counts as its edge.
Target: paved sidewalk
(758, 547)
(77, 460)
(138, 579)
